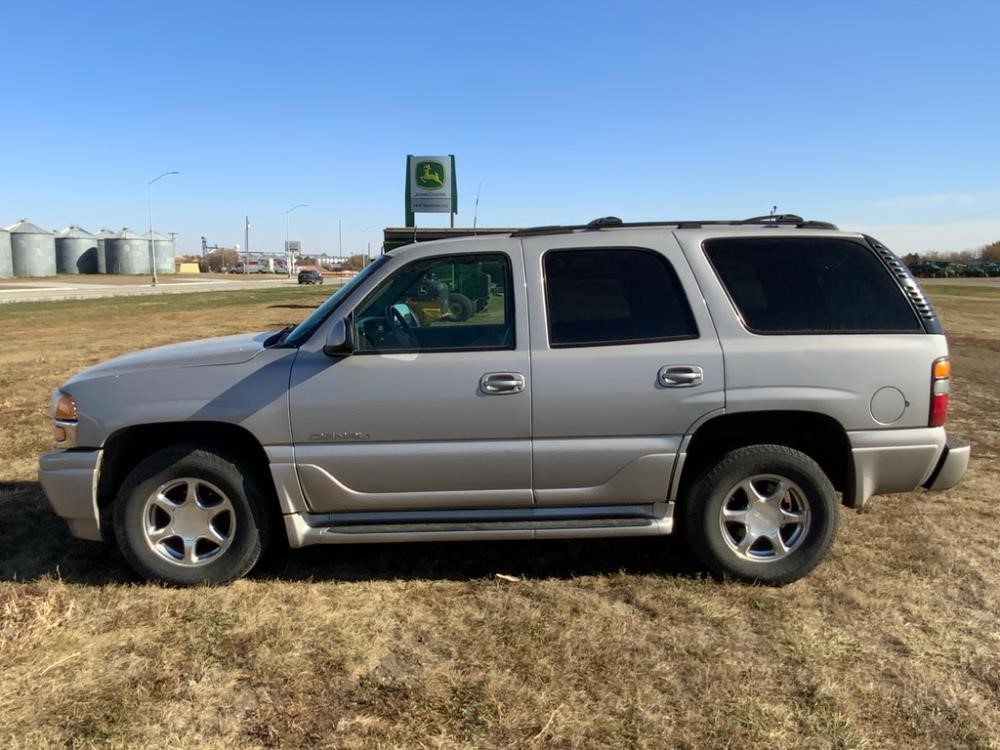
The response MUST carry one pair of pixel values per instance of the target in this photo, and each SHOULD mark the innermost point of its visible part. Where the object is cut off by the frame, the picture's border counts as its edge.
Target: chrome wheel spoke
(778, 545)
(752, 493)
(164, 503)
(189, 554)
(795, 517)
(191, 493)
(217, 510)
(734, 516)
(214, 536)
(158, 535)
(748, 540)
(778, 493)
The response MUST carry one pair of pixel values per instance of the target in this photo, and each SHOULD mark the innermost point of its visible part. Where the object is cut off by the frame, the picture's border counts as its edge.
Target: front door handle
(680, 376)
(497, 383)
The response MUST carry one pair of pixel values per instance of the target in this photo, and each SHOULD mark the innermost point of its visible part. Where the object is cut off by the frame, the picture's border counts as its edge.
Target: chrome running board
(305, 529)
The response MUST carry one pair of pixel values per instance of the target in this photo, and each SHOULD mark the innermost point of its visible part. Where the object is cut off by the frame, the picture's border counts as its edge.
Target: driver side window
(446, 303)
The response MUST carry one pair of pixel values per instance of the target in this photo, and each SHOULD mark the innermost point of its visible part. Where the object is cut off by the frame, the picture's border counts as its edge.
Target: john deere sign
(430, 186)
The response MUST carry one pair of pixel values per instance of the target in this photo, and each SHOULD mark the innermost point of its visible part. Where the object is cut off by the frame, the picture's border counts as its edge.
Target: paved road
(36, 291)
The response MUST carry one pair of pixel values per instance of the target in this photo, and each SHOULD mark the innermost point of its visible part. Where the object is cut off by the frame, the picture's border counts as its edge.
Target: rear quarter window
(787, 285)
(614, 296)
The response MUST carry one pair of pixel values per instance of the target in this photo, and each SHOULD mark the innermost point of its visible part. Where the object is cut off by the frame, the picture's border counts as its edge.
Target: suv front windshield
(307, 327)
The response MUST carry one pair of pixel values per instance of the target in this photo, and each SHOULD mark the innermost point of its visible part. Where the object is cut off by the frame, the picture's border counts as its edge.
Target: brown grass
(892, 643)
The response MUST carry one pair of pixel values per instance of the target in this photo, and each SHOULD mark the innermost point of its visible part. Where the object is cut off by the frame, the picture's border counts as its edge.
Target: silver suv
(738, 379)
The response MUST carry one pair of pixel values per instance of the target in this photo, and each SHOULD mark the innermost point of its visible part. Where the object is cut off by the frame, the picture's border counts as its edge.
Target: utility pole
(246, 244)
(149, 196)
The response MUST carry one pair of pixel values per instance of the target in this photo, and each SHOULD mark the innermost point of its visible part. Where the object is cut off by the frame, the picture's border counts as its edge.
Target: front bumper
(951, 466)
(69, 479)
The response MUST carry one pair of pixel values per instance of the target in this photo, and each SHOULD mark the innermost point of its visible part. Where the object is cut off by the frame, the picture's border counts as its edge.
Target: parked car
(310, 276)
(733, 381)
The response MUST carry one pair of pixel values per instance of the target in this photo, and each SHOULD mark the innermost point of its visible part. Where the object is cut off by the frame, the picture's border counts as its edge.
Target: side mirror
(340, 340)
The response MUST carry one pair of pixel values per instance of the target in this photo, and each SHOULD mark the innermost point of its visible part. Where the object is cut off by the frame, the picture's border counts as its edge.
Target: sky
(882, 117)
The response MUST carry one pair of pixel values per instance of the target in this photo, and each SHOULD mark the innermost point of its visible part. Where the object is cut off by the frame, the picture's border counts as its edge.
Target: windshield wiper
(278, 337)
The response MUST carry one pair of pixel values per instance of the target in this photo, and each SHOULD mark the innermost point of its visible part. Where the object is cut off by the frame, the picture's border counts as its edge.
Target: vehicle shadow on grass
(460, 561)
(35, 543)
(292, 307)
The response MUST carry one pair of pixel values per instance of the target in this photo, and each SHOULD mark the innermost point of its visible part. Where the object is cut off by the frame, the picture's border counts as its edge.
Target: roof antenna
(475, 214)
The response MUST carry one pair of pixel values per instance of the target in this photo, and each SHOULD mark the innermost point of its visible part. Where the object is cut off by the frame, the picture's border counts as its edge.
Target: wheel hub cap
(188, 522)
(765, 518)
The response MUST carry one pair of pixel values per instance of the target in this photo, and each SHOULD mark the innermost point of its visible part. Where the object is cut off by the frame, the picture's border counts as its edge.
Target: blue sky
(878, 116)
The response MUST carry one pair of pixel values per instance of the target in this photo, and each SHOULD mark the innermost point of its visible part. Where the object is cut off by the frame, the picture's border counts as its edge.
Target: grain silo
(32, 250)
(6, 264)
(103, 249)
(76, 251)
(128, 253)
(164, 252)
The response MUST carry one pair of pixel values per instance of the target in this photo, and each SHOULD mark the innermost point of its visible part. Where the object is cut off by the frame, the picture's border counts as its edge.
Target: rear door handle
(497, 383)
(680, 376)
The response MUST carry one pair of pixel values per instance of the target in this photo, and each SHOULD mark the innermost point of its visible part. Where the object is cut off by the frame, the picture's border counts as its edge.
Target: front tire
(764, 513)
(188, 515)
(459, 306)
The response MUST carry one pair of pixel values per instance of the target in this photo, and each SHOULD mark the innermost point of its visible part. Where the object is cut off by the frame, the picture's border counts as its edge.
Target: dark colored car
(309, 276)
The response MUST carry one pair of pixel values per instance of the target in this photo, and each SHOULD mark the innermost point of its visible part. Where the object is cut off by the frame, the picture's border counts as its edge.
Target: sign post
(431, 186)
(293, 248)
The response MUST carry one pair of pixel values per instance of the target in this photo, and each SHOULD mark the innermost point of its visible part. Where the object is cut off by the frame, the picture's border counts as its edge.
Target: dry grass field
(893, 643)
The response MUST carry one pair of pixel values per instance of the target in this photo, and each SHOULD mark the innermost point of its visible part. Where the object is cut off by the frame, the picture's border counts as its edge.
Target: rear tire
(188, 515)
(765, 514)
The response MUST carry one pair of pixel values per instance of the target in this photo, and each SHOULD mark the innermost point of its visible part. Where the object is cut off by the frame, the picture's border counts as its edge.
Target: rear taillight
(940, 388)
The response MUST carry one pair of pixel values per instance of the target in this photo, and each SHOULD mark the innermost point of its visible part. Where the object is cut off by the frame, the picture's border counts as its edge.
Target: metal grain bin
(6, 263)
(164, 252)
(76, 251)
(32, 250)
(128, 253)
(103, 249)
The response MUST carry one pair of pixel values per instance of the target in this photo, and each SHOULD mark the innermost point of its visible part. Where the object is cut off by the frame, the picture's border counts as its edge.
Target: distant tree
(991, 253)
(220, 260)
(355, 263)
(911, 258)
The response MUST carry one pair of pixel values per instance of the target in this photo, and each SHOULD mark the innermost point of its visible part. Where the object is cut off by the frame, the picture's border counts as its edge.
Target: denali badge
(326, 437)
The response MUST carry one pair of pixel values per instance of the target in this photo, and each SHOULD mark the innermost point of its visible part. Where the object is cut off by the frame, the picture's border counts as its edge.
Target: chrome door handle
(495, 383)
(680, 376)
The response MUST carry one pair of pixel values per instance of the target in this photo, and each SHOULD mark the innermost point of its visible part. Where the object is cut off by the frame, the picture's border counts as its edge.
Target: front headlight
(64, 408)
(64, 419)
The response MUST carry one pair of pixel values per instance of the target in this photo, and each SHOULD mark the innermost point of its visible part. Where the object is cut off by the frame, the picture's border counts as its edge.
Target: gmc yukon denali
(734, 380)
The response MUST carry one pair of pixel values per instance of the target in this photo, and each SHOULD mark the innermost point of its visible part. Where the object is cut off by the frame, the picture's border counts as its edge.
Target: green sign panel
(430, 186)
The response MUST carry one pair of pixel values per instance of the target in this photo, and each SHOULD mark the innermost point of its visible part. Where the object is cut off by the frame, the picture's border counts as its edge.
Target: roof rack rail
(613, 222)
(785, 219)
(605, 221)
(774, 219)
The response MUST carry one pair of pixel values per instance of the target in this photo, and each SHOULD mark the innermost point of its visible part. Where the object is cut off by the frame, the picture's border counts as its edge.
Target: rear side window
(783, 285)
(614, 296)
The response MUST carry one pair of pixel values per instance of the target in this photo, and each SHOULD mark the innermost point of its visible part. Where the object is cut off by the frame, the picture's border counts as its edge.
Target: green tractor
(454, 292)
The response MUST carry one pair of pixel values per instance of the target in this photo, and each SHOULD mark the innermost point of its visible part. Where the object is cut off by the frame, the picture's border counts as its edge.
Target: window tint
(443, 303)
(614, 296)
(809, 285)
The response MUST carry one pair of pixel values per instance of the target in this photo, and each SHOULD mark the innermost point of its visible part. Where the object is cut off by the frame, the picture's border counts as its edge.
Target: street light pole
(149, 197)
(288, 251)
